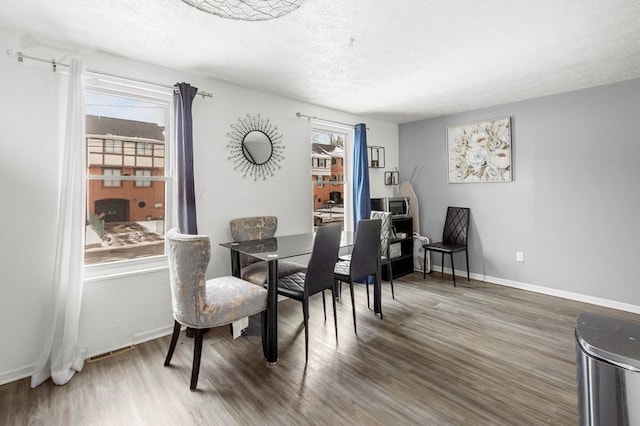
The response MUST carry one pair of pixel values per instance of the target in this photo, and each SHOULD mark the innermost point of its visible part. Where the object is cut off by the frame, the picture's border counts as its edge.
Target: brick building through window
(125, 148)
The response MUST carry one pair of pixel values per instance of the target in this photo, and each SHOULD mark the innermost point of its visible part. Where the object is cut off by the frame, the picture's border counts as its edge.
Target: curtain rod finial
(18, 55)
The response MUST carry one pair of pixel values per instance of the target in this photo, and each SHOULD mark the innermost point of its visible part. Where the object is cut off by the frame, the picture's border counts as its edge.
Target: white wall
(572, 207)
(118, 312)
(28, 173)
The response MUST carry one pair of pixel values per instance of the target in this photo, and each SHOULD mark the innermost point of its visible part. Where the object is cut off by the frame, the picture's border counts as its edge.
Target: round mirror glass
(256, 147)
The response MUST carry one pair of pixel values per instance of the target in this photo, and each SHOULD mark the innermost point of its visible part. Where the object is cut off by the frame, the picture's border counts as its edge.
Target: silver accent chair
(201, 304)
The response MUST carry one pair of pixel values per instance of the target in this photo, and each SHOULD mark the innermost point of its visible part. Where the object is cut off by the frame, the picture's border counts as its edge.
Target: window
(111, 182)
(127, 137)
(143, 173)
(327, 165)
(143, 148)
(113, 147)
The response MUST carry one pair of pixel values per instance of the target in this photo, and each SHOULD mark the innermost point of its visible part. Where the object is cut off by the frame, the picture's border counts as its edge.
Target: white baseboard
(136, 339)
(152, 334)
(17, 374)
(607, 303)
(27, 371)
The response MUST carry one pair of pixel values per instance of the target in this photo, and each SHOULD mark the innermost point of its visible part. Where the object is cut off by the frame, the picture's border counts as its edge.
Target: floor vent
(109, 354)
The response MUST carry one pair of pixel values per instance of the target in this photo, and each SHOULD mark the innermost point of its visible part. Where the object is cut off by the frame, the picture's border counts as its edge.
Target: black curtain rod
(21, 57)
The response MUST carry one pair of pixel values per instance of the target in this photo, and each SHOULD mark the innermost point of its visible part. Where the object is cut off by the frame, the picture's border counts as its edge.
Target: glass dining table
(271, 250)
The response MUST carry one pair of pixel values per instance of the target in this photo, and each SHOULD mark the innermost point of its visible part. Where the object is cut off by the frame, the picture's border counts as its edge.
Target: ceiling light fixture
(246, 10)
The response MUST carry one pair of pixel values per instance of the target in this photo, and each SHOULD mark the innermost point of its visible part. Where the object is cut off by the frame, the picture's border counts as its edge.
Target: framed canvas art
(480, 151)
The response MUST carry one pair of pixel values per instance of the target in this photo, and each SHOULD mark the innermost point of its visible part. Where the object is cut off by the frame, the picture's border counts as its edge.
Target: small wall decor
(376, 157)
(480, 151)
(256, 146)
(391, 178)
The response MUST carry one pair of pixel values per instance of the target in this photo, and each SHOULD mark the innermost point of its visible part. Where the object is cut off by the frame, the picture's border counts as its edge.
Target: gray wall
(572, 206)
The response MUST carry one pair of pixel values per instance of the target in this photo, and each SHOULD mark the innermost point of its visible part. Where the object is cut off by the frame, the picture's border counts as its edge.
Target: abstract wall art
(480, 151)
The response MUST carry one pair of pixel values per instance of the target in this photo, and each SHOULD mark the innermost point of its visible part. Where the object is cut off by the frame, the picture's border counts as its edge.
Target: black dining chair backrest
(319, 274)
(366, 249)
(456, 226)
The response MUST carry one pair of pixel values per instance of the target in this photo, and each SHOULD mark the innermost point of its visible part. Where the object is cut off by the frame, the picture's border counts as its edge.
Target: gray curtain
(186, 195)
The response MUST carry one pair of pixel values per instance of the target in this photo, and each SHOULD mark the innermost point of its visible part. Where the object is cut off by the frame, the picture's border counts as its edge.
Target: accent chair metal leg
(466, 254)
(393, 294)
(453, 270)
(366, 283)
(378, 286)
(305, 314)
(353, 307)
(424, 264)
(324, 306)
(335, 314)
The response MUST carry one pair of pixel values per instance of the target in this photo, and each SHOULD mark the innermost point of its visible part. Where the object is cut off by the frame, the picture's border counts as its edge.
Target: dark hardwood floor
(478, 354)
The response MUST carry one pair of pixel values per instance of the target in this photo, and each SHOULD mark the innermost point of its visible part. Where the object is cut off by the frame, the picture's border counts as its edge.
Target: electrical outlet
(519, 256)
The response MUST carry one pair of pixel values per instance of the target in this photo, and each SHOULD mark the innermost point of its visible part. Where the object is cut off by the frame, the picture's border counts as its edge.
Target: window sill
(94, 273)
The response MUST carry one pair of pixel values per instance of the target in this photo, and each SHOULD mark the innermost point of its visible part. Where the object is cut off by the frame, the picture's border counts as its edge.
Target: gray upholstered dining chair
(202, 304)
(317, 278)
(364, 261)
(257, 228)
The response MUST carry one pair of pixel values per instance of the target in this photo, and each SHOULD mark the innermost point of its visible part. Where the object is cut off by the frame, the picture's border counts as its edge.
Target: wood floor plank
(476, 354)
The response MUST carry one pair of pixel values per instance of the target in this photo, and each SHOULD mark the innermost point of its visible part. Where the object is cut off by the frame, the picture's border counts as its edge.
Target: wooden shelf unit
(403, 264)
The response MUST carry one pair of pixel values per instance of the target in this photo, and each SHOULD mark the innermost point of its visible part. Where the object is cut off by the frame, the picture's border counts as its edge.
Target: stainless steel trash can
(608, 368)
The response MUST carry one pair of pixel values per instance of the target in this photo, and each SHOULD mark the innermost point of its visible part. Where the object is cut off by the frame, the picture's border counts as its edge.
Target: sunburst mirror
(256, 146)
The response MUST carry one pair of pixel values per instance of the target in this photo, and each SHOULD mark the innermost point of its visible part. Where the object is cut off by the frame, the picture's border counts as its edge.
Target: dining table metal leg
(235, 263)
(272, 313)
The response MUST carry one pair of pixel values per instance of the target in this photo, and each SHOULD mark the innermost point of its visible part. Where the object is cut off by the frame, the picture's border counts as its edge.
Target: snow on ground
(155, 226)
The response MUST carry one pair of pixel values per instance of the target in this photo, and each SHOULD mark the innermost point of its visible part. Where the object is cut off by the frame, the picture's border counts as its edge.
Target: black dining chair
(454, 239)
(386, 234)
(363, 263)
(317, 277)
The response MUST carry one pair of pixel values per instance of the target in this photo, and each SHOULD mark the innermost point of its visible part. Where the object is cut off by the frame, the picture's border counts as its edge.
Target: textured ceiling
(396, 60)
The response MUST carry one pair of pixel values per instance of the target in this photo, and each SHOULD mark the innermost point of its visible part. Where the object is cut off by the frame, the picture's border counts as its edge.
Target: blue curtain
(361, 192)
(186, 194)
